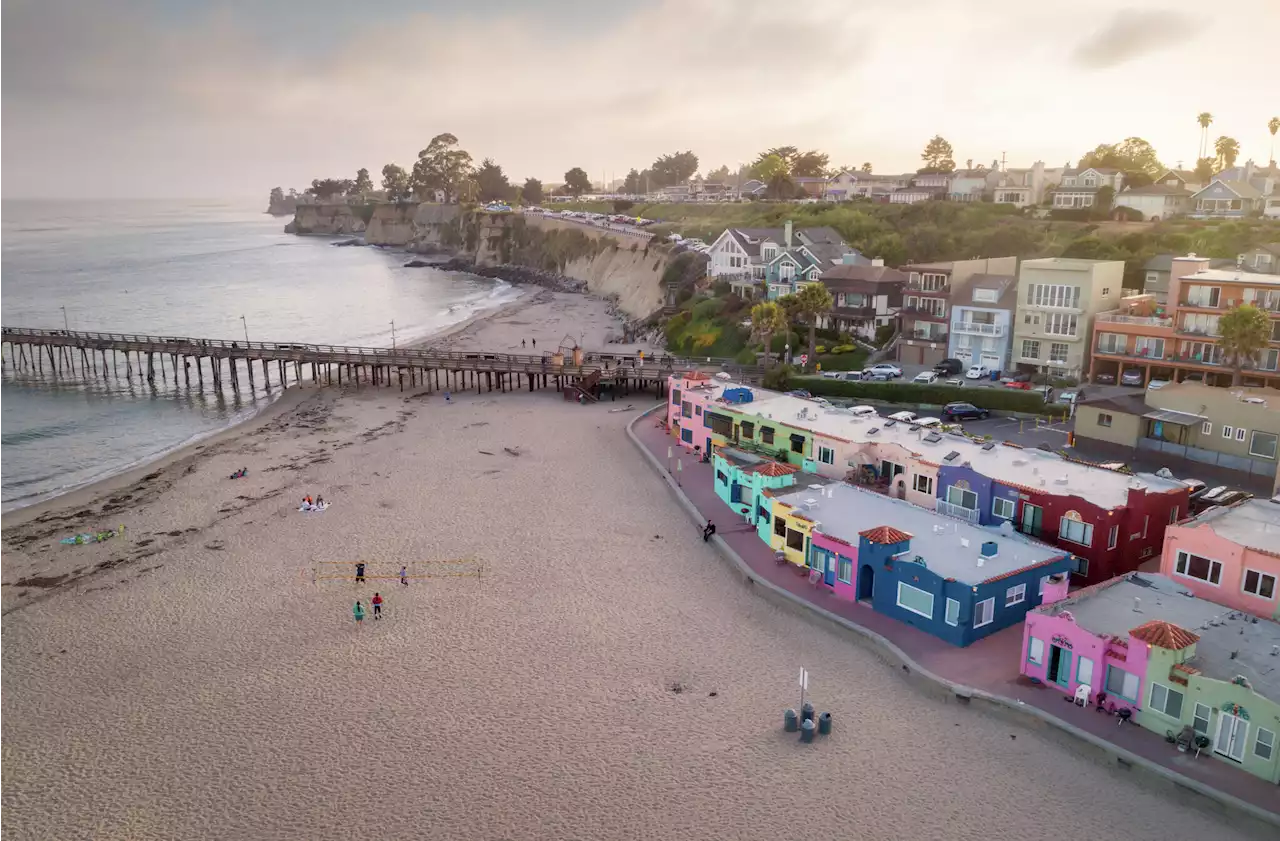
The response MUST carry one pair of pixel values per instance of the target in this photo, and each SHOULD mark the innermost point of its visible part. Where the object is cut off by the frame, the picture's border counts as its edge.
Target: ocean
(184, 269)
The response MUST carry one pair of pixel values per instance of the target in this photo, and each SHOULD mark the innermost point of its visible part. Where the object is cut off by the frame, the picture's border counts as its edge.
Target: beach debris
(677, 687)
(512, 451)
(484, 452)
(626, 408)
(215, 546)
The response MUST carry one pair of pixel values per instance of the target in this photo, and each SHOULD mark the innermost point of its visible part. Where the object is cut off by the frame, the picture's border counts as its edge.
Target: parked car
(799, 392)
(1133, 376)
(948, 367)
(904, 417)
(977, 372)
(1071, 395)
(1221, 495)
(876, 376)
(1016, 377)
(927, 422)
(1195, 488)
(1156, 385)
(925, 378)
(885, 368)
(963, 411)
(1024, 385)
(851, 375)
(1105, 379)
(958, 382)
(862, 411)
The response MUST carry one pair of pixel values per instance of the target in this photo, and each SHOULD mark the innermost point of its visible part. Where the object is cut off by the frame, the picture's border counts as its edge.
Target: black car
(1220, 495)
(948, 367)
(1104, 379)
(963, 411)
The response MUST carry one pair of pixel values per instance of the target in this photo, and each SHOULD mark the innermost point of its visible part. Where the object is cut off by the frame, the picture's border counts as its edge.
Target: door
(1059, 665)
(1232, 734)
(829, 574)
(707, 451)
(1031, 517)
(735, 492)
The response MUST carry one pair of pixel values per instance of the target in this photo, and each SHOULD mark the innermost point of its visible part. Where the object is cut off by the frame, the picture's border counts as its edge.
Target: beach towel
(305, 507)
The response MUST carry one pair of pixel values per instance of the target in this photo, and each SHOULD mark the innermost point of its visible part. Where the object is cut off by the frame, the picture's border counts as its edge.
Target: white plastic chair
(1082, 695)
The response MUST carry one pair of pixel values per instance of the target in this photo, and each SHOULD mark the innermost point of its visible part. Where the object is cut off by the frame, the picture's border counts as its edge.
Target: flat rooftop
(1231, 642)
(1233, 276)
(1030, 469)
(1254, 523)
(948, 546)
(1076, 264)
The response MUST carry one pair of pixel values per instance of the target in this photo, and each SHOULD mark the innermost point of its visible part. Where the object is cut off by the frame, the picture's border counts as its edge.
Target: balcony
(1125, 353)
(1184, 330)
(926, 335)
(973, 328)
(958, 511)
(1134, 320)
(928, 288)
(924, 314)
(854, 312)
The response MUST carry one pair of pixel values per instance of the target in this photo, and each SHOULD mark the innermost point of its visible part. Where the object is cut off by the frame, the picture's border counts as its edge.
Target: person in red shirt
(377, 606)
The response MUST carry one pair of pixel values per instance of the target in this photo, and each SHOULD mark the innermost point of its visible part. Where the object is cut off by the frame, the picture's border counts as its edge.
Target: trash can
(995, 376)
(824, 724)
(806, 730)
(790, 721)
(806, 712)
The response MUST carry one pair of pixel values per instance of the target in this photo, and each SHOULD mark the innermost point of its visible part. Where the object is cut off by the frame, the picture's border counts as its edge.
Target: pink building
(845, 555)
(1230, 556)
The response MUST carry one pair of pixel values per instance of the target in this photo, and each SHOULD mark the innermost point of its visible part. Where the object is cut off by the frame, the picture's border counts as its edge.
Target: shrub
(843, 349)
(708, 308)
(746, 356)
(1008, 400)
(883, 334)
(778, 378)
(820, 349)
(852, 361)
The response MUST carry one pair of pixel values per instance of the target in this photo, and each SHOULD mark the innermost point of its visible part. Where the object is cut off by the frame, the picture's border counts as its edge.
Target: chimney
(968, 164)
(786, 234)
(877, 261)
(990, 549)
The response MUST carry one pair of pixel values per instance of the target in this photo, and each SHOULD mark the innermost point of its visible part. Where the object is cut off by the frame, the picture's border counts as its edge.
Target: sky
(187, 99)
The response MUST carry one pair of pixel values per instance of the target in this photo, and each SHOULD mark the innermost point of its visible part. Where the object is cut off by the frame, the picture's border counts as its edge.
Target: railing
(1194, 331)
(925, 336)
(1130, 354)
(1138, 320)
(952, 510)
(977, 329)
(921, 312)
(919, 286)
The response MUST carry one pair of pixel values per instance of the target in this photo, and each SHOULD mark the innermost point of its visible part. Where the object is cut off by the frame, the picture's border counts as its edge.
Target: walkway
(989, 666)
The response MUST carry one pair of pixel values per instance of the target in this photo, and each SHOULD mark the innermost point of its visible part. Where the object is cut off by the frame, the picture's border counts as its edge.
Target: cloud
(1130, 34)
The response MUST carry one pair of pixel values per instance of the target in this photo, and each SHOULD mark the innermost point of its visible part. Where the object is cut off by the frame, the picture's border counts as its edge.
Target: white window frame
(1113, 536)
(1207, 718)
(1206, 428)
(1182, 562)
(1228, 431)
(1257, 743)
(1173, 515)
(1015, 595)
(953, 612)
(987, 606)
(1244, 583)
(962, 492)
(826, 455)
(1240, 433)
(914, 610)
(928, 483)
(1162, 708)
(1253, 439)
(1035, 651)
(996, 506)
(1086, 531)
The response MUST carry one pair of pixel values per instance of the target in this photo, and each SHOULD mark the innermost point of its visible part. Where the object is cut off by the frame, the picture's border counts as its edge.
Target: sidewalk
(989, 667)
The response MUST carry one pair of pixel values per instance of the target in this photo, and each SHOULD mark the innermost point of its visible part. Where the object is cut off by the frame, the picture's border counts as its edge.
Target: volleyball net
(390, 570)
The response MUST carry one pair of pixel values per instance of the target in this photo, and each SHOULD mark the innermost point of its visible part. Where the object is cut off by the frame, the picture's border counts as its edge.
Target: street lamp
(65, 326)
(393, 335)
(786, 351)
(246, 329)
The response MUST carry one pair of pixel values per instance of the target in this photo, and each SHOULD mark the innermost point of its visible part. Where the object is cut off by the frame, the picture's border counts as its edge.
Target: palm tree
(1244, 331)
(767, 318)
(1273, 125)
(1205, 120)
(814, 301)
(1228, 149)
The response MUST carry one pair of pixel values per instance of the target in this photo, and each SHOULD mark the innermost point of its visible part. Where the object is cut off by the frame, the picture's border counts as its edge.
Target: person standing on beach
(358, 612)
(535, 343)
(360, 572)
(377, 605)
(404, 576)
(524, 343)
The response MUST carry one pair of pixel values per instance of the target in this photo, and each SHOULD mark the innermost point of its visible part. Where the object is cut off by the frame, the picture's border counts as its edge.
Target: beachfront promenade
(986, 670)
(85, 354)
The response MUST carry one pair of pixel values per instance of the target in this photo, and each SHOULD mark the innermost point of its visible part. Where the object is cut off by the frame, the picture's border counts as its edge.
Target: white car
(904, 417)
(927, 422)
(977, 372)
(956, 381)
(886, 368)
(862, 411)
(925, 377)
(1156, 385)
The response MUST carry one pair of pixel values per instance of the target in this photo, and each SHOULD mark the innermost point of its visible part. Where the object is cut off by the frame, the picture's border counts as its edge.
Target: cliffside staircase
(585, 390)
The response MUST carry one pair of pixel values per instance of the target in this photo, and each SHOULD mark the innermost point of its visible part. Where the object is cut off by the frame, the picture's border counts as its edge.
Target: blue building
(957, 581)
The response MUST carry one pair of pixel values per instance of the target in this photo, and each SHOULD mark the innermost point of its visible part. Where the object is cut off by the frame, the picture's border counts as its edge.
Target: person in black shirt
(360, 573)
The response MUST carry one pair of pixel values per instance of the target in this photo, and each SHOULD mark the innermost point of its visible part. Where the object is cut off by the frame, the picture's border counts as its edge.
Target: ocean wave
(38, 433)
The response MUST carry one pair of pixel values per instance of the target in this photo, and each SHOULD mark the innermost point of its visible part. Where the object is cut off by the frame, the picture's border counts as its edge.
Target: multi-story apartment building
(865, 297)
(1058, 299)
(926, 311)
(1181, 340)
(982, 320)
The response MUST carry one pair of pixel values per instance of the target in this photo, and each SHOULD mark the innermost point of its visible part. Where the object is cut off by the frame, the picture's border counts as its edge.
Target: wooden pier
(586, 375)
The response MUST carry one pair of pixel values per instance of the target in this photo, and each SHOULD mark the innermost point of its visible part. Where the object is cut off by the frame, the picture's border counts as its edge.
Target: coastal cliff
(338, 219)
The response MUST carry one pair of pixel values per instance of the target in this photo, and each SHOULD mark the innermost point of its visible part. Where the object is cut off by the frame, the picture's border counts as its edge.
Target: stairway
(584, 388)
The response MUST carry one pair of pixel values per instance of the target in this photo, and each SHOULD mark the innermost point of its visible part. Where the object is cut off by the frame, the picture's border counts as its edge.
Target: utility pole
(393, 335)
(65, 325)
(246, 329)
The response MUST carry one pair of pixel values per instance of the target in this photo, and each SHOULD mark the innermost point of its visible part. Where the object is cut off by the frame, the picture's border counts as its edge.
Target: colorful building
(1179, 663)
(946, 577)
(742, 478)
(1230, 556)
(1109, 522)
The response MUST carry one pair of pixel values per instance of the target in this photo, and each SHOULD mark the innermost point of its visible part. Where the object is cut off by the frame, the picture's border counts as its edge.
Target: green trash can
(806, 730)
(824, 724)
(790, 721)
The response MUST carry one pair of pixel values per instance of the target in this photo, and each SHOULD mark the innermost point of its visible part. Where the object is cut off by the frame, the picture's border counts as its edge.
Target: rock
(291, 227)
(419, 264)
(346, 242)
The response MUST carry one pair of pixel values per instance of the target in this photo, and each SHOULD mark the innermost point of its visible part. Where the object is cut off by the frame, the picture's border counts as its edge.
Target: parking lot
(1091, 392)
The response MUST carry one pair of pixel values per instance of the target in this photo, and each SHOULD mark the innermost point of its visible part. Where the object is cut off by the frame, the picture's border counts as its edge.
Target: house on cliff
(759, 262)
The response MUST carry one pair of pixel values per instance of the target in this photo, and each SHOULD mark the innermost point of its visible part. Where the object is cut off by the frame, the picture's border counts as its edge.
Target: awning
(1179, 418)
(799, 439)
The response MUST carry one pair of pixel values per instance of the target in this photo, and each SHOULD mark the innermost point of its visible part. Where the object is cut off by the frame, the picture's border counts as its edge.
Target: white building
(1155, 201)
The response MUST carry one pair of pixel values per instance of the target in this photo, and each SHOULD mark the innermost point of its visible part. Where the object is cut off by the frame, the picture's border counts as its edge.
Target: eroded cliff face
(326, 219)
(413, 226)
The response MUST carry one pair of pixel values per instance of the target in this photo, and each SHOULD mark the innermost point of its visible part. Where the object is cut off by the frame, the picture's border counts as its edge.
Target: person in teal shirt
(358, 610)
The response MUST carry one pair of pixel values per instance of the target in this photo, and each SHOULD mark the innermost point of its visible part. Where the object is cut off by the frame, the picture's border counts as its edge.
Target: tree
(776, 175)
(1133, 156)
(441, 166)
(866, 167)
(396, 182)
(811, 164)
(1103, 199)
(815, 300)
(631, 184)
(362, 184)
(1244, 331)
(1228, 149)
(1205, 119)
(720, 174)
(329, 187)
(277, 196)
(1273, 126)
(767, 318)
(576, 182)
(675, 168)
(937, 156)
(491, 182)
(1204, 170)
(531, 193)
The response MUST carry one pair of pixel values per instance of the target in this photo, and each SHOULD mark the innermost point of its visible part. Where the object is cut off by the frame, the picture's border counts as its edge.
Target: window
(1044, 582)
(766, 434)
(1146, 520)
(1082, 565)
(1200, 721)
(748, 429)
(1263, 445)
(1206, 428)
(983, 612)
(1015, 595)
(1046, 295)
(915, 600)
(1035, 651)
(1060, 323)
(845, 573)
(1057, 353)
(1173, 515)
(721, 478)
(1123, 684)
(1264, 744)
(1002, 508)
(1104, 419)
(953, 612)
(963, 498)
(1194, 566)
(1240, 433)
(1113, 537)
(1166, 700)
(697, 410)
(675, 397)
(780, 526)
(1076, 532)
(1112, 342)
(1259, 584)
(1228, 431)
(686, 409)
(826, 455)
(923, 483)
(719, 424)
(1030, 349)
(795, 540)
(1084, 671)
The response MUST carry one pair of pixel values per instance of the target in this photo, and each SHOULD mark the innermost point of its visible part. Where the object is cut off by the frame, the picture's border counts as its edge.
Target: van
(903, 417)
(862, 411)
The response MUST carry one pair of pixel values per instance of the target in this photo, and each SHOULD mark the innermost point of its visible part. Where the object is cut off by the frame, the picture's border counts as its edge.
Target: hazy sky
(142, 98)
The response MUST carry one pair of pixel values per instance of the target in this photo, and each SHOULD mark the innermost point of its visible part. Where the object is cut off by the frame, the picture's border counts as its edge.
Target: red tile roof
(885, 534)
(774, 468)
(1181, 671)
(1164, 634)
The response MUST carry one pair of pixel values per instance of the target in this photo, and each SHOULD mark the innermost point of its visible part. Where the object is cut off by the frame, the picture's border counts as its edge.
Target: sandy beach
(605, 677)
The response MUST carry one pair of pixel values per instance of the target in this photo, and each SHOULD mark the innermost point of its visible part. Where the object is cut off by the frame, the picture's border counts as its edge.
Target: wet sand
(606, 678)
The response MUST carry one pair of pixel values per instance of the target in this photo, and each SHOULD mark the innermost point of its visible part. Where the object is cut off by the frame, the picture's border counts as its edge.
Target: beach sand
(606, 677)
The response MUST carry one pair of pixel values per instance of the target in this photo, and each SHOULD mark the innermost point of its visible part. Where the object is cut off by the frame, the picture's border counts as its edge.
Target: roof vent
(1061, 480)
(889, 423)
(1137, 605)
(951, 456)
(873, 430)
(932, 438)
(990, 549)
(990, 445)
(1019, 462)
